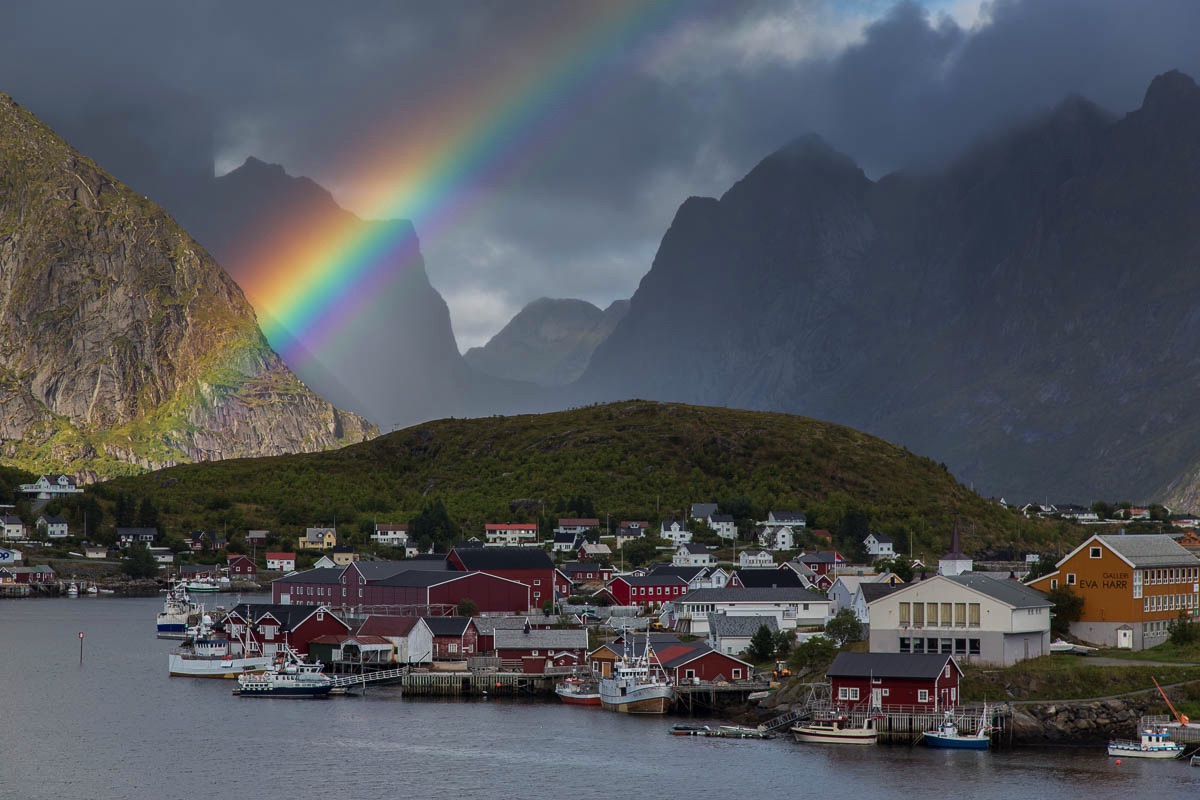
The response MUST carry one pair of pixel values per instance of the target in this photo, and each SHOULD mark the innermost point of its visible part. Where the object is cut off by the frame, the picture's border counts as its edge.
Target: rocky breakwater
(1079, 722)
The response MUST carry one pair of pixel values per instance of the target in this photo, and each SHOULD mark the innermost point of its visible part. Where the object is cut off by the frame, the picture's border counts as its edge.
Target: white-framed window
(922, 695)
(737, 673)
(1095, 552)
(453, 647)
(1054, 583)
(853, 692)
(531, 652)
(843, 693)
(1070, 579)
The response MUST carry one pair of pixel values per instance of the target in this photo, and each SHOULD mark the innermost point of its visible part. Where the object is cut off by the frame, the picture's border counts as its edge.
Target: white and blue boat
(947, 736)
(1155, 742)
(291, 676)
(172, 621)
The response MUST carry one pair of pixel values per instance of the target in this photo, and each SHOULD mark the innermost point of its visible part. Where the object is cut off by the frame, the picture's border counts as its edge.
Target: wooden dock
(904, 724)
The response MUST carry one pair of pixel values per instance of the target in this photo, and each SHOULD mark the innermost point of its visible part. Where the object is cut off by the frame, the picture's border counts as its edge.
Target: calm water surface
(118, 727)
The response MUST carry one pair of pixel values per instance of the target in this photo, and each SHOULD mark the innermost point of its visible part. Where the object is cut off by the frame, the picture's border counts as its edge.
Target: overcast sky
(573, 202)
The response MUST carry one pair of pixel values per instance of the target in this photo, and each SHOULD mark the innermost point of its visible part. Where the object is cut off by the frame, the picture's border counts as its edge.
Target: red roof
(579, 522)
(281, 556)
(510, 526)
(380, 625)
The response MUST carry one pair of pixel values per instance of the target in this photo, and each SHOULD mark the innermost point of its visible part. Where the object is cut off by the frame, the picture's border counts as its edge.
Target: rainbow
(310, 280)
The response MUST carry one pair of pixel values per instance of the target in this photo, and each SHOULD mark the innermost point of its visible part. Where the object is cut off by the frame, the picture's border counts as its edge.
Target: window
(1054, 583)
(960, 615)
(1070, 579)
(918, 615)
(531, 652)
(946, 619)
(853, 692)
(905, 647)
(737, 673)
(904, 614)
(931, 613)
(537, 582)
(946, 672)
(973, 614)
(453, 648)
(922, 695)
(1094, 552)
(918, 645)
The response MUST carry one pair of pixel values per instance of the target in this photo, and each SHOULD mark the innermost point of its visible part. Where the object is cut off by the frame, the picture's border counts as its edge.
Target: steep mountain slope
(548, 342)
(122, 343)
(1021, 314)
(399, 362)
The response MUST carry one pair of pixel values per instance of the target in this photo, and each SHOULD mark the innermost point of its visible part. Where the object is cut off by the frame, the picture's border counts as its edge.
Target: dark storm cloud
(157, 92)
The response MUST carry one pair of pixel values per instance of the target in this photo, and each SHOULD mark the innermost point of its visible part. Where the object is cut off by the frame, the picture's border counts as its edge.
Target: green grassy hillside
(630, 460)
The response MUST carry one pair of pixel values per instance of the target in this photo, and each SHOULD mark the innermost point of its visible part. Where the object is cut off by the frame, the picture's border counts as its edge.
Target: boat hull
(577, 699)
(817, 736)
(654, 699)
(940, 742)
(1135, 751)
(293, 692)
(181, 666)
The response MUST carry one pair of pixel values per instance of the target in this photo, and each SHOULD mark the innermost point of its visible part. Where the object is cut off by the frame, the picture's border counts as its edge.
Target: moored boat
(1153, 743)
(720, 732)
(208, 654)
(578, 692)
(835, 729)
(637, 685)
(201, 585)
(172, 621)
(948, 737)
(290, 676)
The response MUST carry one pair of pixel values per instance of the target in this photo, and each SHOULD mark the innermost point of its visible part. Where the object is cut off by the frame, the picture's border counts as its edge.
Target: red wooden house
(873, 680)
(530, 566)
(454, 638)
(263, 628)
(242, 567)
(538, 648)
(694, 662)
(647, 591)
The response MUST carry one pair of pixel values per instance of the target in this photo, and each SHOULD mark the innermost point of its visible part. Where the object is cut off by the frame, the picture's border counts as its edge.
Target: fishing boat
(948, 737)
(637, 685)
(73, 590)
(290, 676)
(578, 692)
(835, 729)
(208, 654)
(201, 585)
(172, 621)
(1154, 742)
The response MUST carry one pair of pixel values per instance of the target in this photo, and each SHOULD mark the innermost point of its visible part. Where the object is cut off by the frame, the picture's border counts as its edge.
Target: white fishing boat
(172, 621)
(73, 589)
(637, 685)
(948, 736)
(835, 729)
(1152, 743)
(201, 585)
(208, 654)
(289, 676)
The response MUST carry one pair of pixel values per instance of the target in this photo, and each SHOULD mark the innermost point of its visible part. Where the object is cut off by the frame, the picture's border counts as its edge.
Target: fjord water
(118, 727)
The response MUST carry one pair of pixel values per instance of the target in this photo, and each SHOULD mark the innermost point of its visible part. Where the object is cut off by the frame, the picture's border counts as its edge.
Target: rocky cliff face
(1023, 315)
(549, 342)
(123, 345)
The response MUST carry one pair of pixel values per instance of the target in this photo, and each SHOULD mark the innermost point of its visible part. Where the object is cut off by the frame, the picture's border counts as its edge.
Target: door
(1125, 638)
(877, 698)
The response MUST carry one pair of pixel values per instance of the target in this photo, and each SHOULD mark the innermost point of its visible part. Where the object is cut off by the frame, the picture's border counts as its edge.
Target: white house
(577, 525)
(723, 525)
(674, 531)
(53, 526)
(777, 537)
(732, 635)
(281, 562)
(879, 546)
(756, 559)
(693, 555)
(162, 555)
(516, 534)
(48, 487)
(390, 534)
(793, 519)
(14, 528)
(791, 607)
(971, 616)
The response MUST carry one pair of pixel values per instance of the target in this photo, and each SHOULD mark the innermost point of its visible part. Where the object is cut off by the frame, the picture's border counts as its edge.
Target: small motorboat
(835, 729)
(1153, 742)
(947, 736)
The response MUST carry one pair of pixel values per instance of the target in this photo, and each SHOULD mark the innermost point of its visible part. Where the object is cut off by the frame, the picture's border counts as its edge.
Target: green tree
(784, 641)
(1183, 630)
(813, 655)
(898, 565)
(1068, 608)
(147, 514)
(467, 607)
(640, 551)
(762, 645)
(844, 627)
(433, 526)
(139, 563)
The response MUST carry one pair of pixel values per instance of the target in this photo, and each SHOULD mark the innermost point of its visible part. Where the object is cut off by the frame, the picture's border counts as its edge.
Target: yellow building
(1133, 588)
(318, 539)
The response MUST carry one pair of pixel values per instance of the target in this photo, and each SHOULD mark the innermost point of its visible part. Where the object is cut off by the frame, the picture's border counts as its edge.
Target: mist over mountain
(1024, 314)
(123, 345)
(548, 342)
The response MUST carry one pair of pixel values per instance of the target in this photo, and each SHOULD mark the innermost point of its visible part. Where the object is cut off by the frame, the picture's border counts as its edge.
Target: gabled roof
(694, 549)
(541, 638)
(318, 575)
(676, 657)
(654, 579)
(289, 617)
(874, 591)
(783, 595)
(421, 578)
(489, 558)
(572, 567)
(447, 626)
(1009, 592)
(489, 625)
(54, 519)
(890, 665)
(881, 538)
(686, 573)
(720, 517)
(725, 625)
(702, 510)
(375, 571)
(1146, 550)
(770, 578)
(379, 625)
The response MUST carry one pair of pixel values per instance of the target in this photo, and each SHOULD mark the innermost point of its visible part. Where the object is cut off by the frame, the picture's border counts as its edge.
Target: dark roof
(720, 518)
(319, 575)
(788, 594)
(54, 519)
(420, 578)
(488, 558)
(289, 616)
(889, 665)
(874, 591)
(769, 578)
(654, 579)
(694, 651)
(571, 567)
(447, 626)
(725, 625)
(882, 538)
(686, 573)
(820, 557)
(1009, 592)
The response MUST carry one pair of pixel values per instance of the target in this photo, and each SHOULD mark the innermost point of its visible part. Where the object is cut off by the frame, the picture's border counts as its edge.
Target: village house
(629, 530)
(702, 511)
(696, 662)
(95, 551)
(53, 526)
(732, 635)
(510, 534)
(131, 536)
(411, 637)
(241, 567)
(353, 648)
(566, 542)
(577, 525)
(756, 559)
(201, 541)
(317, 539)
(454, 638)
(189, 572)
(530, 566)
(768, 579)
(777, 537)
(824, 565)
(535, 649)
(281, 562)
(927, 682)
(162, 556)
(676, 532)
(581, 573)
(390, 534)
(792, 608)
(991, 620)
(696, 577)
(257, 538)
(343, 555)
(486, 628)
(878, 546)
(723, 526)
(590, 551)
(49, 487)
(693, 555)
(14, 528)
(645, 591)
(41, 574)
(1133, 588)
(267, 628)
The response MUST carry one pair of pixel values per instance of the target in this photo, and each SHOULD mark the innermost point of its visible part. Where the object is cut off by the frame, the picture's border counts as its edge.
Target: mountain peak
(1170, 89)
